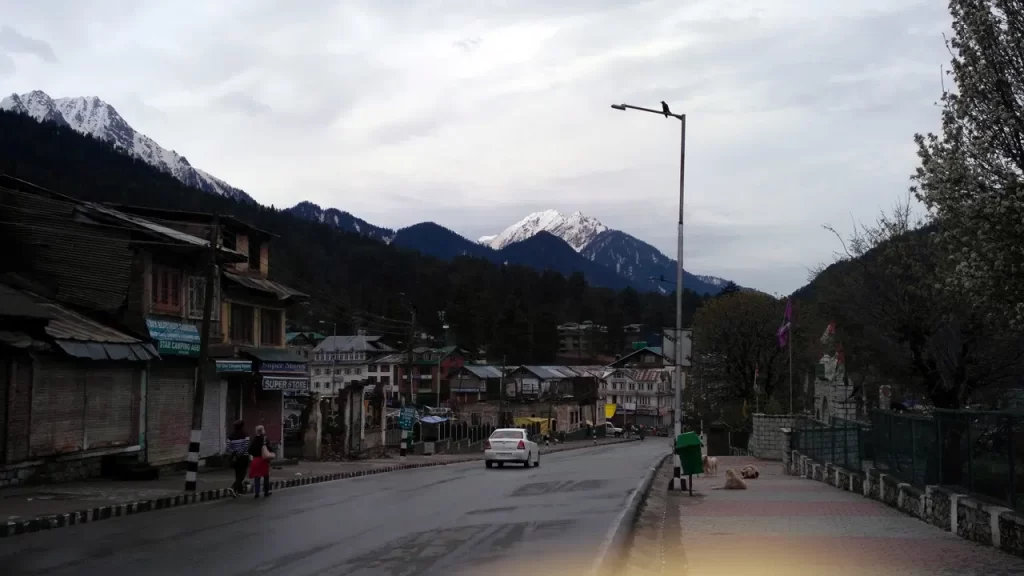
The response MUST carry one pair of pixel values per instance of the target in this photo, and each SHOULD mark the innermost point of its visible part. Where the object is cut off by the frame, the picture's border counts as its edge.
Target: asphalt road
(456, 519)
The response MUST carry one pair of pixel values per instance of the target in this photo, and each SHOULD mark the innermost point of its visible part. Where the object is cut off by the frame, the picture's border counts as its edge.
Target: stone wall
(50, 471)
(768, 440)
(967, 517)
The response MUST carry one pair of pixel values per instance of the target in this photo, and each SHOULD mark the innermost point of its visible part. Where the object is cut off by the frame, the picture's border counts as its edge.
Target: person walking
(238, 451)
(259, 470)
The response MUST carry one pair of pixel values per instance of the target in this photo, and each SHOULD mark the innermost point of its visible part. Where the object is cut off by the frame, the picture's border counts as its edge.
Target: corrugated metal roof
(390, 359)
(544, 372)
(83, 337)
(358, 343)
(264, 285)
(273, 354)
(483, 372)
(644, 375)
(16, 304)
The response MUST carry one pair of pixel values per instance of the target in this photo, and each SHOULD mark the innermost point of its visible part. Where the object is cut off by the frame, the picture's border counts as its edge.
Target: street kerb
(613, 548)
(54, 521)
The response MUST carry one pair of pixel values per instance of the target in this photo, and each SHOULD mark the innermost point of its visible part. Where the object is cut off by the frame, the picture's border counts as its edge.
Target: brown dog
(750, 472)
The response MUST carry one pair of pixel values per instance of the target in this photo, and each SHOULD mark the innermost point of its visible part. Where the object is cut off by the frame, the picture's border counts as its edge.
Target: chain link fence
(981, 453)
(844, 443)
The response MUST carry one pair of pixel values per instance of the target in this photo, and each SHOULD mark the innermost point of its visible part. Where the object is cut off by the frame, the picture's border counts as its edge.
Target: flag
(830, 332)
(787, 319)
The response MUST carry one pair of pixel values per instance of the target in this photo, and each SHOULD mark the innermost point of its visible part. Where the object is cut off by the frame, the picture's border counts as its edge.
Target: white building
(339, 360)
(641, 396)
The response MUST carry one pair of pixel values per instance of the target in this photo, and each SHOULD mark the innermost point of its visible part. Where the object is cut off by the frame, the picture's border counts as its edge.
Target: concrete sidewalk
(31, 508)
(793, 526)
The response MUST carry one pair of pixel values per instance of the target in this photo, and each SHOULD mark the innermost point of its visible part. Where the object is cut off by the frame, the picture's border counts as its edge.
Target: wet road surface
(457, 519)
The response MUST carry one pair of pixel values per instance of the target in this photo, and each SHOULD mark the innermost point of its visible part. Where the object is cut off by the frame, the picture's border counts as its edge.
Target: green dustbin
(688, 447)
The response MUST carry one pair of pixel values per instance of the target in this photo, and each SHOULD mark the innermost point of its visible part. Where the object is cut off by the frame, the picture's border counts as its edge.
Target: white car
(511, 445)
(611, 430)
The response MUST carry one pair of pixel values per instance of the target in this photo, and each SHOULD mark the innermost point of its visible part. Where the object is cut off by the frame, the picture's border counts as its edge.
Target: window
(270, 327)
(166, 290)
(348, 371)
(242, 318)
(385, 380)
(197, 295)
(359, 370)
(371, 368)
(254, 253)
(371, 379)
(337, 371)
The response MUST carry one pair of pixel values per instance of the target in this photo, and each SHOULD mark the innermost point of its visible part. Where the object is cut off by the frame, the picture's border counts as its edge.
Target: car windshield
(507, 434)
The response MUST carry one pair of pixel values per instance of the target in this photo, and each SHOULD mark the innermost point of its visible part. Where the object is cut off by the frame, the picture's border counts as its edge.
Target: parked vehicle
(511, 445)
(611, 430)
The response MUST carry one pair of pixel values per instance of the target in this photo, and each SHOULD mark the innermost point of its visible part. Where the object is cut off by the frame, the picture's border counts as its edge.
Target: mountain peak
(92, 116)
(576, 229)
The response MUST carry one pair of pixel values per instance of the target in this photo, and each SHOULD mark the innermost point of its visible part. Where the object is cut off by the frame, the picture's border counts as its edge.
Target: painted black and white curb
(40, 523)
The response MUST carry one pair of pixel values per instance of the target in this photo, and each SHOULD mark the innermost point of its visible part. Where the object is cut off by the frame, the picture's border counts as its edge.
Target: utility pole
(199, 393)
(406, 435)
(501, 396)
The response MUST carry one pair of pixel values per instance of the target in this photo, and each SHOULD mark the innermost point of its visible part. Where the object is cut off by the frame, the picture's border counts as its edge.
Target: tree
(729, 288)
(970, 176)
(902, 322)
(734, 335)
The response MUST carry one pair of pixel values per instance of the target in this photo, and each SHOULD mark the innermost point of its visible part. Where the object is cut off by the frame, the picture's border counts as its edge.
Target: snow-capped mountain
(92, 116)
(628, 256)
(576, 229)
(341, 220)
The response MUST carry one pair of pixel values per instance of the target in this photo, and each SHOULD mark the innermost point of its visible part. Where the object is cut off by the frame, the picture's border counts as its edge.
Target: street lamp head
(619, 106)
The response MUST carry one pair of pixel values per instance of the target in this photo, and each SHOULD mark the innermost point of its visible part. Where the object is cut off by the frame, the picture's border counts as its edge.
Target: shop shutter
(214, 432)
(169, 411)
(109, 407)
(58, 409)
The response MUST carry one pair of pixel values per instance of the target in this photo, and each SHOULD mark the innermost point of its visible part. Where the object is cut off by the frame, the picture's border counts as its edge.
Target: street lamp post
(677, 481)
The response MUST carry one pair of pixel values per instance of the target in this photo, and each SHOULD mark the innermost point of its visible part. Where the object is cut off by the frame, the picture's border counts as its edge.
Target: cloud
(799, 112)
(244, 103)
(14, 42)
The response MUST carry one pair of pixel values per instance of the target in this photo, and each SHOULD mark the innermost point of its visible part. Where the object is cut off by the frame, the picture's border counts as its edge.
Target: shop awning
(174, 338)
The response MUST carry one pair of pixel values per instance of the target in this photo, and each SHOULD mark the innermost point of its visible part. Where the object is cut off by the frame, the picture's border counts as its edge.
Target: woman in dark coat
(238, 451)
(259, 470)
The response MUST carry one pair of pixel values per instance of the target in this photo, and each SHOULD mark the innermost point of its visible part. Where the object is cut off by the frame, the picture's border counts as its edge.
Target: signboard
(283, 368)
(406, 417)
(234, 366)
(279, 383)
(174, 338)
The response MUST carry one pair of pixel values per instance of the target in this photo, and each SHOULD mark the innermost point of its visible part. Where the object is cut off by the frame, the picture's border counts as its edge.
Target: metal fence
(980, 452)
(845, 443)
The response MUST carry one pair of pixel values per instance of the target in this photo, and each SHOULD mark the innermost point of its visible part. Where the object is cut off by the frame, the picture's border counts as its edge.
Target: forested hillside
(511, 310)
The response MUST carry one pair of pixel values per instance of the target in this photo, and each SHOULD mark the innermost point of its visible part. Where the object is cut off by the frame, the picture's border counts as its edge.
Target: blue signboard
(174, 338)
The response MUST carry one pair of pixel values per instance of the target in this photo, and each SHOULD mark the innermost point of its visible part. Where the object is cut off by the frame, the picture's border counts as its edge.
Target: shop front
(167, 414)
(280, 378)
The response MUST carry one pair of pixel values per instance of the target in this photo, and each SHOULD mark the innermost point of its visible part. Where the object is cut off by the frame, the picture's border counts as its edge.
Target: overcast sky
(474, 113)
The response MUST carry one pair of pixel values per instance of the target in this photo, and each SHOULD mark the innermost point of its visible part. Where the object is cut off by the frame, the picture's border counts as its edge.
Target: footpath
(791, 526)
(27, 509)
